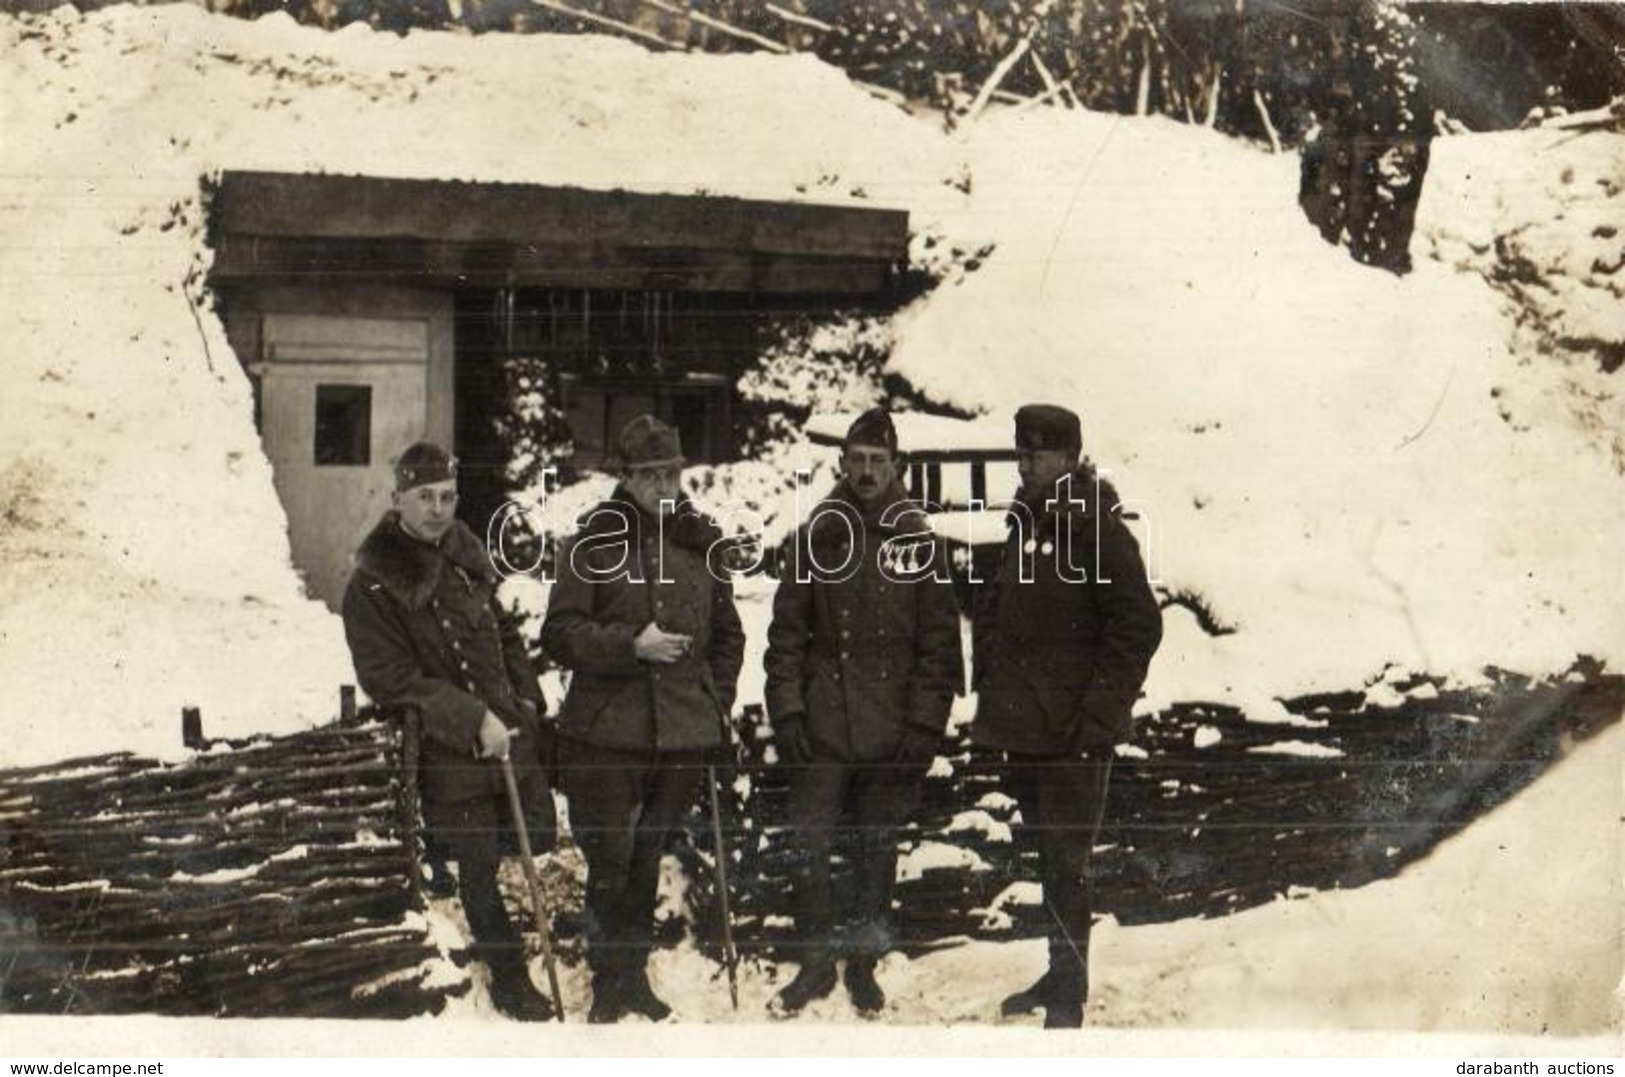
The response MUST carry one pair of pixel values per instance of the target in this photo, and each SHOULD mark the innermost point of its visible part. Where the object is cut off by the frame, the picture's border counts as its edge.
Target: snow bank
(1515, 924)
(144, 551)
(1541, 215)
(1316, 447)
(1352, 471)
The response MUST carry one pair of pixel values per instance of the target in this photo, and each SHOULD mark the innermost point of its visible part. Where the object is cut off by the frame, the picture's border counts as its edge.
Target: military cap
(647, 442)
(1040, 427)
(424, 462)
(873, 427)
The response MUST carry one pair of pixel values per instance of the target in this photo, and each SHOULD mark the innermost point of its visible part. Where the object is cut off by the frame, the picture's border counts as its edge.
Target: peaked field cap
(1040, 427)
(645, 441)
(424, 462)
(873, 427)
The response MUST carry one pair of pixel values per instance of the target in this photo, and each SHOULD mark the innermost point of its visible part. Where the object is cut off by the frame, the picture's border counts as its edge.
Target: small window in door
(343, 425)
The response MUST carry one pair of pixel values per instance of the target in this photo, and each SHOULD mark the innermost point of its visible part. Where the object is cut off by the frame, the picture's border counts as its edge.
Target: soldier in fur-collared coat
(863, 662)
(425, 630)
(1062, 640)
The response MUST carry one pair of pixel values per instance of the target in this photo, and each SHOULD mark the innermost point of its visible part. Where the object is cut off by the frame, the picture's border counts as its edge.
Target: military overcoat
(865, 637)
(623, 570)
(425, 629)
(1063, 635)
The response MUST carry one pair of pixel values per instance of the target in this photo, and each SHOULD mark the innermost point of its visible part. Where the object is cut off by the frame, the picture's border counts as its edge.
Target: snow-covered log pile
(1212, 814)
(1564, 271)
(265, 879)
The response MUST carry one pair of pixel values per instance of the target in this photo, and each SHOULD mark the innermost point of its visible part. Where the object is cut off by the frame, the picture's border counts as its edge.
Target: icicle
(651, 331)
(507, 317)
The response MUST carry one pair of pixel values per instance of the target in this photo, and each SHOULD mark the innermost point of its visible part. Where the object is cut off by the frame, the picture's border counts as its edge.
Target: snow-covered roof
(919, 434)
(526, 234)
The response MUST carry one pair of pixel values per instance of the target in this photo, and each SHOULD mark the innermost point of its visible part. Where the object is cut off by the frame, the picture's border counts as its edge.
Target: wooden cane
(729, 956)
(538, 896)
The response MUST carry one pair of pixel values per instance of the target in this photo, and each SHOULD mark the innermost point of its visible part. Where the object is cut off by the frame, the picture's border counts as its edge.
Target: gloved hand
(918, 748)
(1100, 723)
(790, 736)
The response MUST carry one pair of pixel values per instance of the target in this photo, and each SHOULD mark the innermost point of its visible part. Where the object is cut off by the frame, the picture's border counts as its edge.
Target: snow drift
(1352, 470)
(1360, 474)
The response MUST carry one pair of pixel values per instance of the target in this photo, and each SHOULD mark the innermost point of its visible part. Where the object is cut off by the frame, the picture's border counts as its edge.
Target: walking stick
(730, 957)
(538, 896)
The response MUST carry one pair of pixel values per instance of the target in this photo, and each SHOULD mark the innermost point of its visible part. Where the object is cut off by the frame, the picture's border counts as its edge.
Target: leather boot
(637, 996)
(608, 1005)
(1063, 1015)
(1029, 999)
(513, 993)
(815, 980)
(862, 987)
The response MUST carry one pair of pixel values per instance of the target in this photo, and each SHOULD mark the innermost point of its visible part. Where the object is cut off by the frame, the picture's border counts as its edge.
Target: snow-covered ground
(1352, 470)
(1513, 925)
(1355, 471)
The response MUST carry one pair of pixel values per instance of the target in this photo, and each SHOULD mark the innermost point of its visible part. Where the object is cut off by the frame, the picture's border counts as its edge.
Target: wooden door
(340, 397)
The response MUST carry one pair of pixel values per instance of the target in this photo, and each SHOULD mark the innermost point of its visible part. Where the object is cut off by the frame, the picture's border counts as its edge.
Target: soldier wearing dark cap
(863, 661)
(425, 630)
(643, 616)
(1063, 636)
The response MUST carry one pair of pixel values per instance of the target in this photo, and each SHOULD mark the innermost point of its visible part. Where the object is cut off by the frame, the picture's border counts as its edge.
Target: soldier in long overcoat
(1062, 640)
(425, 630)
(643, 615)
(863, 662)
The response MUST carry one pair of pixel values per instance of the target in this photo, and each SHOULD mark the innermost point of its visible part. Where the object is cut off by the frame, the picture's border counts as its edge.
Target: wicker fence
(1211, 815)
(268, 879)
(279, 878)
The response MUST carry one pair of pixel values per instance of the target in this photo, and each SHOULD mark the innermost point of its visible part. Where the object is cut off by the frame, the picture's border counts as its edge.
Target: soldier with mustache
(863, 661)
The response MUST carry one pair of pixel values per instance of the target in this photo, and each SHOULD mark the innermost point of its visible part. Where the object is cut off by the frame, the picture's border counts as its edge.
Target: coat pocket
(1059, 704)
(1109, 717)
(590, 699)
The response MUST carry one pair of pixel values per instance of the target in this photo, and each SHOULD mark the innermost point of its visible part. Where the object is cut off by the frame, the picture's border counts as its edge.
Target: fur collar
(1099, 497)
(409, 569)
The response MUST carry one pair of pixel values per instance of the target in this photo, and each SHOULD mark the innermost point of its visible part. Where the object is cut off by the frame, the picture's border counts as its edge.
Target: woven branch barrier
(1211, 814)
(278, 878)
(272, 878)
